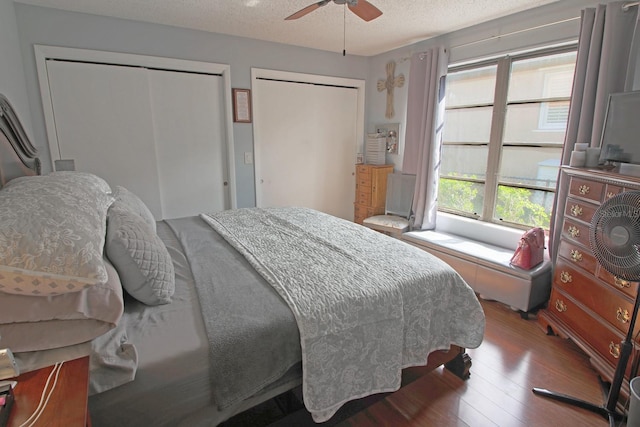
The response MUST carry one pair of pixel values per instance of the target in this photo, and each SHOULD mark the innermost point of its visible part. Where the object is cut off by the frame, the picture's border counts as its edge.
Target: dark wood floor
(514, 357)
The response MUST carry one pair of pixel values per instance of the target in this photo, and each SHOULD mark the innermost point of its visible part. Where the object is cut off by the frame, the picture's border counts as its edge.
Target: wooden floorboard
(515, 356)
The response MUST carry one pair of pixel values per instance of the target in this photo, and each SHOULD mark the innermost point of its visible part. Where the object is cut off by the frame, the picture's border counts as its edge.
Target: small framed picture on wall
(242, 105)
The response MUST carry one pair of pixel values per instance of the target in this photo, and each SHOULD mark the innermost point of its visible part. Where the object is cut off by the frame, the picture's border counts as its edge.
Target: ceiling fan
(362, 8)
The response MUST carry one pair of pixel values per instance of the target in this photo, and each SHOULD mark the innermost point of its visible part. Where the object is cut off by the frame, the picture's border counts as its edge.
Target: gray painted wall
(463, 46)
(38, 25)
(12, 81)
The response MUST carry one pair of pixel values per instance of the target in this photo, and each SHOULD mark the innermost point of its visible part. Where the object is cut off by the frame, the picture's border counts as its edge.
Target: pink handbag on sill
(530, 250)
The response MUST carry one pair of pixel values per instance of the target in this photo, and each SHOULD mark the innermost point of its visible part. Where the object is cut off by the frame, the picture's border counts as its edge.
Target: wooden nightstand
(68, 403)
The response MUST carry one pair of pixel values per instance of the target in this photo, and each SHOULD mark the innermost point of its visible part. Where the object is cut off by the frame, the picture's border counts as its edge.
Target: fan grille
(614, 235)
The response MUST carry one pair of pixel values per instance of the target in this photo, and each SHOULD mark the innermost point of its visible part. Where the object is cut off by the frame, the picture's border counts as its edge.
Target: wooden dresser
(587, 303)
(371, 190)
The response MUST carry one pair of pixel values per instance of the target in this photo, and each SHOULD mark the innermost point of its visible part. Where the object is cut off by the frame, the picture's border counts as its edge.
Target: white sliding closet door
(103, 121)
(159, 133)
(305, 145)
(190, 145)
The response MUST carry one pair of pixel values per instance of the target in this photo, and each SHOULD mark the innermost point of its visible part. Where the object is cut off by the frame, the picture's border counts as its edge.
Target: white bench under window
(481, 252)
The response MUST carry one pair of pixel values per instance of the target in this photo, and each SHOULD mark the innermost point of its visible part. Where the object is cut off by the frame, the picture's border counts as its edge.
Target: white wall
(12, 81)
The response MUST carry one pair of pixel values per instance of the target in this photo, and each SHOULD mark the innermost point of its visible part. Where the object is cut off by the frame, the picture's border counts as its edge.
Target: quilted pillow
(132, 202)
(51, 236)
(140, 257)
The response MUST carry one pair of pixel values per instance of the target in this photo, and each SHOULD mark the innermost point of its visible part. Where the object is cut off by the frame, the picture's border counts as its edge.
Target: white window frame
(500, 104)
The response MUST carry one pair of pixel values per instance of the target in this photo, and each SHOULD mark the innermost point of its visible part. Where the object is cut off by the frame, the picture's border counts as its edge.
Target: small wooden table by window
(68, 404)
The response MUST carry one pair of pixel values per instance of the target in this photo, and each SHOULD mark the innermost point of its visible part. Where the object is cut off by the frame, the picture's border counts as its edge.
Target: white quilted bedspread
(366, 305)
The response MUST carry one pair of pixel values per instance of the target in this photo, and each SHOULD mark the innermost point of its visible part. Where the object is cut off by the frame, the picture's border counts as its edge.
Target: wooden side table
(68, 404)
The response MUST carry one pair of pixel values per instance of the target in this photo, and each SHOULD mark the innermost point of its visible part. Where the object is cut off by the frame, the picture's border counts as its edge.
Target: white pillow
(52, 233)
(140, 257)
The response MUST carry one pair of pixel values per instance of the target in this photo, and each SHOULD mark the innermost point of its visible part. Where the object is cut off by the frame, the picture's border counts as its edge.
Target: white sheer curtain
(423, 138)
(602, 66)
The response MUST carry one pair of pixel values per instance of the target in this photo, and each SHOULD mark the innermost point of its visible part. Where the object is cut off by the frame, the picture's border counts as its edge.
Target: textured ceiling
(403, 21)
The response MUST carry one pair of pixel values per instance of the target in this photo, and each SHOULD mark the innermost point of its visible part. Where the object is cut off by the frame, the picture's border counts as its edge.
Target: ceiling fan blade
(306, 10)
(365, 10)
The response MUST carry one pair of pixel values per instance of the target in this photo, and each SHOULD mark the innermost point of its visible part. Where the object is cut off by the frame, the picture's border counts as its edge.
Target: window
(504, 128)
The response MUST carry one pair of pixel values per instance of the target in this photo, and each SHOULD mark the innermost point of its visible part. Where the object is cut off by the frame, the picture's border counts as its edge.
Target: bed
(193, 320)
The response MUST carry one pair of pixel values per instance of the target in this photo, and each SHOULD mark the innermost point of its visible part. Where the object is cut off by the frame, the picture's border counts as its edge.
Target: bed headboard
(18, 156)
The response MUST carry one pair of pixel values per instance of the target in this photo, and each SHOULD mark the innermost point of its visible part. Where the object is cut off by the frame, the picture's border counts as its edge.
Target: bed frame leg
(460, 365)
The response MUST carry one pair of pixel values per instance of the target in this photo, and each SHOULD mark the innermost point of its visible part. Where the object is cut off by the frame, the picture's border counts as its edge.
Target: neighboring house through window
(504, 128)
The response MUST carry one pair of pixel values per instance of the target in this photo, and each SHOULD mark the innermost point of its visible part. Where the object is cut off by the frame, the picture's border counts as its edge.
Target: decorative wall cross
(389, 84)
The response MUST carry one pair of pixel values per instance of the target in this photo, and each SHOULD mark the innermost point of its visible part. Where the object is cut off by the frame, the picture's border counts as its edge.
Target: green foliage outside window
(514, 204)
(457, 195)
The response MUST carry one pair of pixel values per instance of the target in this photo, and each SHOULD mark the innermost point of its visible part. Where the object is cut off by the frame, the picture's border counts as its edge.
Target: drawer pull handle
(565, 277)
(614, 349)
(561, 306)
(576, 256)
(573, 231)
(576, 210)
(622, 315)
(621, 282)
(584, 189)
(610, 194)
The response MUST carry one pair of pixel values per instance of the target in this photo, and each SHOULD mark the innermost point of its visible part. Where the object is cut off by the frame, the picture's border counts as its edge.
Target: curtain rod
(503, 35)
(625, 7)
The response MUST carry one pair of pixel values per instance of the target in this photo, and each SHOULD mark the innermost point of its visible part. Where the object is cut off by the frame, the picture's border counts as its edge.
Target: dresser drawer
(362, 170)
(577, 256)
(629, 288)
(613, 307)
(576, 231)
(363, 182)
(363, 196)
(586, 189)
(611, 190)
(362, 212)
(580, 210)
(592, 333)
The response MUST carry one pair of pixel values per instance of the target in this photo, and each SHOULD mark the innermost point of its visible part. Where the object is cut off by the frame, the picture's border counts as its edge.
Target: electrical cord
(44, 398)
